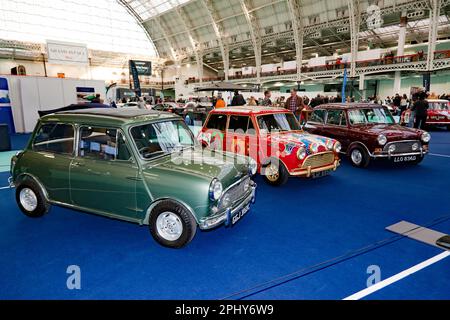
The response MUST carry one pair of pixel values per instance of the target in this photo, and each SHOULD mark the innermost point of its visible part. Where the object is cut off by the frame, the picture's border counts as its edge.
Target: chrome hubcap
(272, 172)
(28, 199)
(356, 156)
(169, 226)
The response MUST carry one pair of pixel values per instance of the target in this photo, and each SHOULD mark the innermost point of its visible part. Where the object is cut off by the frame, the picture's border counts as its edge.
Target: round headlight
(252, 167)
(329, 144)
(301, 153)
(391, 148)
(337, 147)
(382, 139)
(215, 189)
(426, 137)
(246, 184)
(314, 147)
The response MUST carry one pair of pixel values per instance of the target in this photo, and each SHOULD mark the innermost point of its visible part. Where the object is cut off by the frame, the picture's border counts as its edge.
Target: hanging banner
(135, 74)
(6, 115)
(144, 68)
(67, 53)
(344, 84)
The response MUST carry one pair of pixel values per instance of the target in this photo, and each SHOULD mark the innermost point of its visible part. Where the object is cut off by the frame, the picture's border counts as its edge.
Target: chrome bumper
(226, 216)
(405, 154)
(11, 182)
(309, 171)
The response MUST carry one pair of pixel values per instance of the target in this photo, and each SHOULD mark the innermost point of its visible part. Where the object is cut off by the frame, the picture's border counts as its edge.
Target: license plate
(320, 174)
(240, 214)
(405, 159)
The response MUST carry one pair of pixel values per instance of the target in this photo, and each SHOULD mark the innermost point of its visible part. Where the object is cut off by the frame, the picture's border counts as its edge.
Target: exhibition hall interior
(225, 149)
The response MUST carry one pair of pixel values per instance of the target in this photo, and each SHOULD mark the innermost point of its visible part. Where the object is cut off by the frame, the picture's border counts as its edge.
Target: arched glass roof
(101, 24)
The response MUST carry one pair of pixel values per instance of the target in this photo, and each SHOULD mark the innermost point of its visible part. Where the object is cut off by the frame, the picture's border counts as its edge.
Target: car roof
(249, 110)
(349, 105)
(112, 116)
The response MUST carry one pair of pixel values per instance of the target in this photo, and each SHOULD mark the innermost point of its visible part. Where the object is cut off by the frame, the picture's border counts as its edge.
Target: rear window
(217, 121)
(54, 138)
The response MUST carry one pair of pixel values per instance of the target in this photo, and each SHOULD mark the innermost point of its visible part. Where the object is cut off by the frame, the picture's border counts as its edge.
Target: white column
(362, 86)
(432, 35)
(400, 50)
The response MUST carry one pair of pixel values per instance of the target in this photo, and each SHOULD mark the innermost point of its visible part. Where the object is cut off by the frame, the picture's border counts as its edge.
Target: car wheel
(418, 160)
(448, 128)
(275, 173)
(172, 225)
(359, 157)
(31, 200)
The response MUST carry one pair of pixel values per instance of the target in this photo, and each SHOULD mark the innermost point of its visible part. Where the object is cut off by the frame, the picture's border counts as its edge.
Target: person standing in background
(266, 101)
(238, 99)
(252, 102)
(403, 104)
(220, 103)
(294, 103)
(420, 108)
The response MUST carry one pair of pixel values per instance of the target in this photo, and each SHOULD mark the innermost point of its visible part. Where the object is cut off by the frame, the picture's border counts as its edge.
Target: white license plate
(405, 159)
(320, 174)
(240, 214)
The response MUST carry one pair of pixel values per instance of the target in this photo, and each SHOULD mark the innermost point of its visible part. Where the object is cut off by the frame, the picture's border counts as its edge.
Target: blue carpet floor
(306, 236)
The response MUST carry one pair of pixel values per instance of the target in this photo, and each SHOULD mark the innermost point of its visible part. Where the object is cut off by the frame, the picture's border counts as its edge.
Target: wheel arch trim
(146, 219)
(23, 176)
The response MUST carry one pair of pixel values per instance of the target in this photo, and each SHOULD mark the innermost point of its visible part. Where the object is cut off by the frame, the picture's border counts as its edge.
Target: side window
(102, 144)
(334, 117)
(123, 153)
(55, 138)
(251, 127)
(238, 123)
(217, 121)
(318, 116)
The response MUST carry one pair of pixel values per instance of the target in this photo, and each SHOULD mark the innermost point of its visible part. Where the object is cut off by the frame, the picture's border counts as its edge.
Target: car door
(213, 134)
(103, 175)
(237, 138)
(52, 152)
(336, 126)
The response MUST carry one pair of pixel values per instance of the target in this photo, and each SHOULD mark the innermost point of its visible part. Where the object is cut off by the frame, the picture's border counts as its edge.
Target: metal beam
(166, 37)
(432, 34)
(217, 30)
(297, 28)
(194, 44)
(255, 36)
(354, 19)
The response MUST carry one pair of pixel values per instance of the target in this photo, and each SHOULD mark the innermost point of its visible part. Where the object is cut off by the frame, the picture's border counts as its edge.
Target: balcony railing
(387, 60)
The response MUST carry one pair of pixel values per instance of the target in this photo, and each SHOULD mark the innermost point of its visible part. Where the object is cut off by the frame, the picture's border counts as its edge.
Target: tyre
(31, 200)
(359, 157)
(172, 225)
(275, 173)
(417, 161)
(448, 128)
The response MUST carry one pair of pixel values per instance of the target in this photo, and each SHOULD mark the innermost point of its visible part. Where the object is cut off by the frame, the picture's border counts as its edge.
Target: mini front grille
(318, 160)
(236, 192)
(402, 146)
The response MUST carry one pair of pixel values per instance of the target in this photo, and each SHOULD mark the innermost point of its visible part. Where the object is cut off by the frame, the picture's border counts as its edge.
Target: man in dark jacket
(420, 107)
(238, 99)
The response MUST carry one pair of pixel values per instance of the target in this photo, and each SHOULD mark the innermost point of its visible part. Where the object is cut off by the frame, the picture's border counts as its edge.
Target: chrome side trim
(97, 212)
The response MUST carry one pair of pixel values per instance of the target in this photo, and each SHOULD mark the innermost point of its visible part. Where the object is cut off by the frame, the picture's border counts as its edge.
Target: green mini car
(141, 166)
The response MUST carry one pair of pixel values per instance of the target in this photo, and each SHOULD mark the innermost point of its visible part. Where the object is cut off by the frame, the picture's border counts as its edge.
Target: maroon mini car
(368, 131)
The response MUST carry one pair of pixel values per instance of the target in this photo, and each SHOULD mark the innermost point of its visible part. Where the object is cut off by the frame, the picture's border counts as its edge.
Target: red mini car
(368, 131)
(439, 113)
(274, 139)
